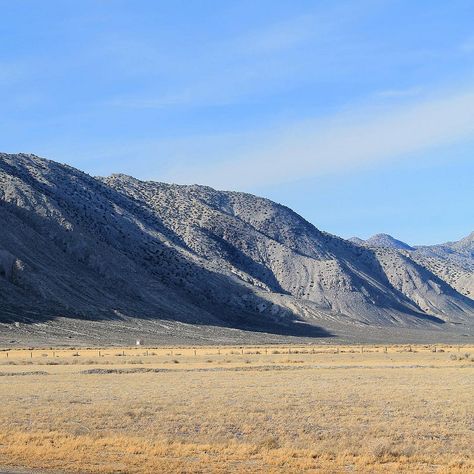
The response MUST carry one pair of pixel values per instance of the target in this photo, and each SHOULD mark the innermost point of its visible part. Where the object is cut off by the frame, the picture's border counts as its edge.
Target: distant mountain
(461, 249)
(452, 261)
(357, 240)
(464, 246)
(382, 241)
(99, 249)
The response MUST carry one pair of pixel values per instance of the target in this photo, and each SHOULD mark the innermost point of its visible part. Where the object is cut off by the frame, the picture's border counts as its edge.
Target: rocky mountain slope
(116, 248)
(453, 262)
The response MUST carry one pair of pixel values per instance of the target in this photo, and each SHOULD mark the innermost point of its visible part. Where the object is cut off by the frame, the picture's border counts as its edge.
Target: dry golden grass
(232, 409)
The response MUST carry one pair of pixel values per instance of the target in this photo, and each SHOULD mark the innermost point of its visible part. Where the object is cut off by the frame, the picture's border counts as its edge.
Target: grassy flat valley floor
(238, 409)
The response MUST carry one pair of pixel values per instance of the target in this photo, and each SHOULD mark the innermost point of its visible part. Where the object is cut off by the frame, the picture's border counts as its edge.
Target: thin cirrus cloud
(253, 63)
(348, 141)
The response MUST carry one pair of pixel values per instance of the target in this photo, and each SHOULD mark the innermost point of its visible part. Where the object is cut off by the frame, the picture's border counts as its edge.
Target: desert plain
(252, 409)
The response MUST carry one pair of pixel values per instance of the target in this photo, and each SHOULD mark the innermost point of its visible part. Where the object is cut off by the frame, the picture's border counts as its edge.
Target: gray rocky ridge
(453, 262)
(383, 241)
(85, 250)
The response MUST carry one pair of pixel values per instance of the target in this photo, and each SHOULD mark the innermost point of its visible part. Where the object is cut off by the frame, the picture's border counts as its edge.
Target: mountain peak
(382, 241)
(387, 241)
(357, 240)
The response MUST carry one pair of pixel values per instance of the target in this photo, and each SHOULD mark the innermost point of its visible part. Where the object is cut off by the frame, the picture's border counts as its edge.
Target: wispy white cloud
(257, 62)
(340, 143)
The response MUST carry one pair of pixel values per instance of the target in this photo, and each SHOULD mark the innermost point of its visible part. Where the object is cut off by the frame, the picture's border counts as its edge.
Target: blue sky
(357, 114)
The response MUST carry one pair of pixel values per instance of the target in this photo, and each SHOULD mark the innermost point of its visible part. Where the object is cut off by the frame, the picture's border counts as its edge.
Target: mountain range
(453, 262)
(98, 259)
